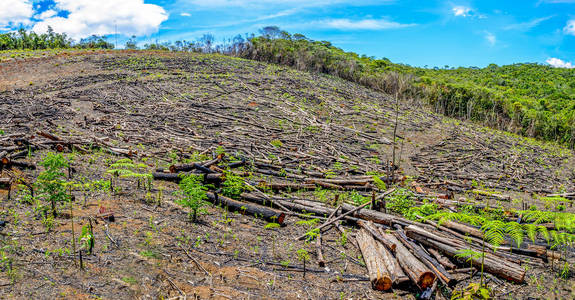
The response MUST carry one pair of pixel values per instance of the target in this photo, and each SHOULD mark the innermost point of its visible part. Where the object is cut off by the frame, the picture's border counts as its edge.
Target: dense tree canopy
(22, 39)
(31, 40)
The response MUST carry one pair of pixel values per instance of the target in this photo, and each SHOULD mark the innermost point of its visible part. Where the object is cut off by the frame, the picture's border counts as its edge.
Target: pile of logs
(16, 147)
(395, 250)
(13, 148)
(424, 253)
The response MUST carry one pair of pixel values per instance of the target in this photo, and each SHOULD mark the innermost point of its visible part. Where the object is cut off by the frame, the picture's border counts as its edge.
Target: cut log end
(280, 218)
(382, 283)
(426, 279)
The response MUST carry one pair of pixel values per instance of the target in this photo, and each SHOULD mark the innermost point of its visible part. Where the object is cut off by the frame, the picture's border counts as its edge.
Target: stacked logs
(15, 147)
(395, 250)
(423, 252)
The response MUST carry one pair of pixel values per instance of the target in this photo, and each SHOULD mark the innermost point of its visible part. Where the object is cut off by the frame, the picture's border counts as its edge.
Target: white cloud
(184, 14)
(87, 17)
(491, 38)
(558, 63)
(570, 27)
(461, 11)
(46, 14)
(15, 12)
(527, 25)
(367, 24)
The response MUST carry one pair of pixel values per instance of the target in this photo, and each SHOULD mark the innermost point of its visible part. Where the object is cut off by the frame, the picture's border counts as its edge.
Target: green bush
(193, 195)
(51, 183)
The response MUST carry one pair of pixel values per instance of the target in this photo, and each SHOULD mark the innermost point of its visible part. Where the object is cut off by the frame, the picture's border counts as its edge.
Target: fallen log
(287, 186)
(191, 167)
(177, 177)
(442, 259)
(355, 209)
(464, 228)
(461, 240)
(371, 229)
(375, 216)
(505, 251)
(326, 185)
(429, 261)
(318, 211)
(19, 154)
(266, 213)
(202, 166)
(379, 276)
(564, 195)
(420, 274)
(120, 151)
(279, 174)
(494, 265)
(492, 195)
(392, 265)
(339, 181)
(18, 164)
(49, 136)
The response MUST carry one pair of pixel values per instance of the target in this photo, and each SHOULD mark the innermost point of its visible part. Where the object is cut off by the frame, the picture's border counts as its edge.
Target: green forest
(23, 40)
(529, 99)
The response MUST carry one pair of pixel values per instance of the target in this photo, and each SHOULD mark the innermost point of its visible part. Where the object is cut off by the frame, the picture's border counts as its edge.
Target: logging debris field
(141, 174)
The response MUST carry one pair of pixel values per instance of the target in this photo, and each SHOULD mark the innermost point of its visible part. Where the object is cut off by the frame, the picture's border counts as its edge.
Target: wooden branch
(266, 213)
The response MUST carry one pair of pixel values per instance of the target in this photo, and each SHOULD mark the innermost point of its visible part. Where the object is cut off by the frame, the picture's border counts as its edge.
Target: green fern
(445, 216)
(126, 168)
(494, 232)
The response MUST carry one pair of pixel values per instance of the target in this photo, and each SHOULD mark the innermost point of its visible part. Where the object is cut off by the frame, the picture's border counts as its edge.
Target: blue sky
(422, 33)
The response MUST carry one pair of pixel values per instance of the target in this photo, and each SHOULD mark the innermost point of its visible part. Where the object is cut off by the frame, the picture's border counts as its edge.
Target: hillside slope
(529, 99)
(171, 108)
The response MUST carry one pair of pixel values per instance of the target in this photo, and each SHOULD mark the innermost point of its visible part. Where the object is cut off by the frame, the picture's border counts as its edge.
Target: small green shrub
(233, 186)
(400, 201)
(193, 195)
(277, 143)
(86, 239)
(51, 182)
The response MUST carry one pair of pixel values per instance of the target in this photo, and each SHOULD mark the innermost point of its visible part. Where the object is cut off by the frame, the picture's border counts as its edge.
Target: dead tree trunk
(415, 269)
(266, 213)
(370, 249)
(491, 264)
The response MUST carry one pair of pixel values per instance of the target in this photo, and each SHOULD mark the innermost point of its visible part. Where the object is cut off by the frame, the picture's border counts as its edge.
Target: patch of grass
(129, 280)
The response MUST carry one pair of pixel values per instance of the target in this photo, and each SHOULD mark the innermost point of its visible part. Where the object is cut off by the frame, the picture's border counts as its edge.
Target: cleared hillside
(165, 109)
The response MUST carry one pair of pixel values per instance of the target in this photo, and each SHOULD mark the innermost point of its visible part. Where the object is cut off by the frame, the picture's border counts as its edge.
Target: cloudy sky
(423, 33)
